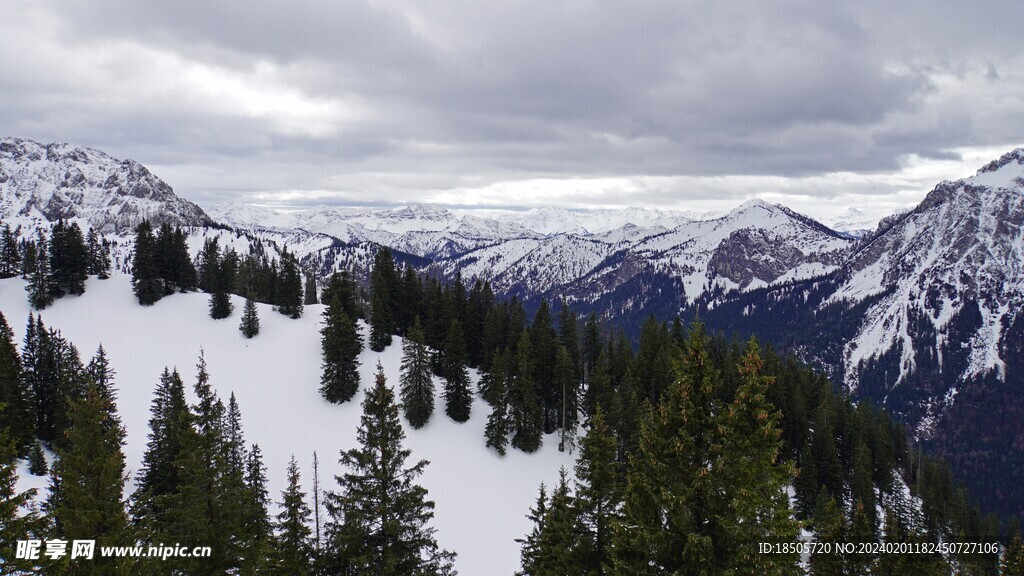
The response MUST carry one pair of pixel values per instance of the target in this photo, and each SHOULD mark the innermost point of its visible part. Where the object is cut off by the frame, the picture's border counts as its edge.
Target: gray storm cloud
(378, 101)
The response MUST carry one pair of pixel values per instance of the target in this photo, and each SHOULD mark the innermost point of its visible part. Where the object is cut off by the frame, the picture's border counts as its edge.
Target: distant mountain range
(922, 313)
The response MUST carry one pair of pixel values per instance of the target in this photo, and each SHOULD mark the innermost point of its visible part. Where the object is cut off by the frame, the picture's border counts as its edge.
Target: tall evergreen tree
(383, 287)
(544, 343)
(159, 479)
(10, 255)
(98, 255)
(497, 428)
(828, 526)
(529, 547)
(257, 535)
(417, 382)
(208, 508)
(668, 515)
(102, 375)
(1013, 559)
(19, 416)
(526, 415)
(293, 549)
(380, 517)
(39, 294)
(341, 343)
(69, 261)
(87, 483)
(146, 282)
(289, 293)
(28, 250)
(597, 495)
(309, 287)
(37, 465)
(208, 267)
(566, 381)
(250, 325)
(220, 305)
(558, 544)
(18, 518)
(458, 398)
(757, 509)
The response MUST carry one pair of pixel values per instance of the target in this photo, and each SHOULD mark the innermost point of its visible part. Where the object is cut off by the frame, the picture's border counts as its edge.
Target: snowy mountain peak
(853, 222)
(44, 182)
(549, 220)
(1006, 172)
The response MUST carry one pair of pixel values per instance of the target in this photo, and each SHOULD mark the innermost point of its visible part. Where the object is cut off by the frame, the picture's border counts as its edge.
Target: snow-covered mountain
(45, 182)
(853, 222)
(926, 317)
(555, 252)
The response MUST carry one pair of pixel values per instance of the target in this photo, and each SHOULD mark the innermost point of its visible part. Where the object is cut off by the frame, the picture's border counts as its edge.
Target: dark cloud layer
(398, 98)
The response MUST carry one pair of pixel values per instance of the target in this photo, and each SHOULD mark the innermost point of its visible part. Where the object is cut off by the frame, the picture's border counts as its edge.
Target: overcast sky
(523, 103)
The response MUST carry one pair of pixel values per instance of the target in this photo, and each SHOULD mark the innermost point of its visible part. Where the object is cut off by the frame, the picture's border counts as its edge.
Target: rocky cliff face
(45, 182)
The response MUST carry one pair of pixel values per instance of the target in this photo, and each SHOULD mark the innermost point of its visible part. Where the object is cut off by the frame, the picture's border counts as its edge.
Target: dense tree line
(857, 477)
(161, 266)
(56, 262)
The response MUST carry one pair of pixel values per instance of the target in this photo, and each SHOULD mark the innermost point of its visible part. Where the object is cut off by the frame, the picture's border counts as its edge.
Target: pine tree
(828, 526)
(309, 286)
(98, 255)
(250, 325)
(37, 460)
(39, 294)
(417, 382)
(220, 305)
(525, 412)
(86, 492)
(69, 260)
(341, 344)
(558, 544)
(544, 343)
(806, 486)
(68, 385)
(1013, 559)
(289, 293)
(458, 398)
(102, 375)
(257, 534)
(529, 547)
(211, 503)
(160, 478)
(565, 380)
(29, 258)
(497, 428)
(383, 284)
(669, 516)
(18, 518)
(146, 283)
(10, 255)
(293, 548)
(597, 495)
(19, 416)
(757, 509)
(379, 518)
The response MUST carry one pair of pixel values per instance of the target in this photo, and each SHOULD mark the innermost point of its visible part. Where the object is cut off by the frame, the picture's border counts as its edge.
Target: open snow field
(481, 498)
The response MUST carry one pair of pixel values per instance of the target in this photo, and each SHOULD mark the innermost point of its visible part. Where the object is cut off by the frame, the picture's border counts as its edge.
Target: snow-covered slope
(481, 498)
(44, 182)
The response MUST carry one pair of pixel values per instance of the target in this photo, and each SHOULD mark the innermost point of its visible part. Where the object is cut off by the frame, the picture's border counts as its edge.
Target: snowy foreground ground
(481, 498)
